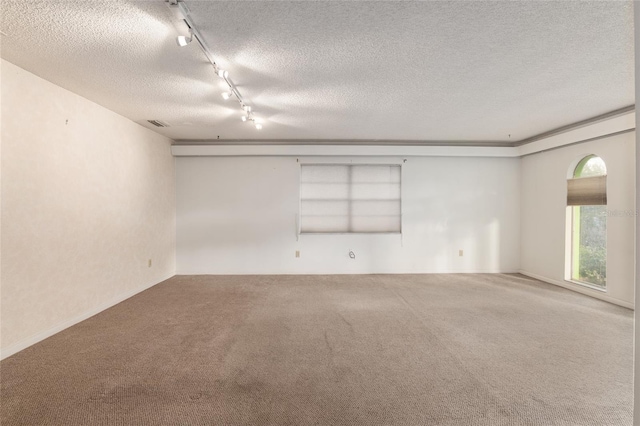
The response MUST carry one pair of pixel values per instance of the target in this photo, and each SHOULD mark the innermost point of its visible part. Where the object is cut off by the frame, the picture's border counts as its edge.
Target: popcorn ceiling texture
(337, 70)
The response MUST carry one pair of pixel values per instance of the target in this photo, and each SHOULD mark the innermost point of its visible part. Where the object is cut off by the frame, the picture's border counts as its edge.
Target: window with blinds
(350, 198)
(587, 191)
(588, 185)
(587, 234)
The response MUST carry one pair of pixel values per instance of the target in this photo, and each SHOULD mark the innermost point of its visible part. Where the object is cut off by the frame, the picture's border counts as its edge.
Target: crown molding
(550, 134)
(574, 126)
(343, 142)
(613, 123)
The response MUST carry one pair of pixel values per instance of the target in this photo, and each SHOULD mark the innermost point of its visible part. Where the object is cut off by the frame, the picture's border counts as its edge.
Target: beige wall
(636, 387)
(543, 214)
(88, 197)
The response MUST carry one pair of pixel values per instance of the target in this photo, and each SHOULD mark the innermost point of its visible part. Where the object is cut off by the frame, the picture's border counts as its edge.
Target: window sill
(587, 285)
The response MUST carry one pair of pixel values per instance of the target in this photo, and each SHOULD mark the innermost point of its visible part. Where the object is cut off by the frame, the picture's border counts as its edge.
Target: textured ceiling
(433, 71)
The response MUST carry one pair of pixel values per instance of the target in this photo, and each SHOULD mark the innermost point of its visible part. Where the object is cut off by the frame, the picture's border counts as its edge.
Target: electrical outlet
(297, 253)
(149, 263)
(460, 252)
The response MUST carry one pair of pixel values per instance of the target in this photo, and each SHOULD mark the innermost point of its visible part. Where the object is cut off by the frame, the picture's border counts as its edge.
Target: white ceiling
(340, 70)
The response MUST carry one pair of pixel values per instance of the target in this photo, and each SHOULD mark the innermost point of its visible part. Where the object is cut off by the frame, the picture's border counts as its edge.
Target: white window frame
(569, 232)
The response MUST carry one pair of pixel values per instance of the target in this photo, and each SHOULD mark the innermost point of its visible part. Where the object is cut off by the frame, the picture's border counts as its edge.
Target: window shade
(589, 191)
(349, 198)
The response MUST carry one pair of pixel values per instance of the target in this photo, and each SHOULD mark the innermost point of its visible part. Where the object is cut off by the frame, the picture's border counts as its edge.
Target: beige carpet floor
(477, 349)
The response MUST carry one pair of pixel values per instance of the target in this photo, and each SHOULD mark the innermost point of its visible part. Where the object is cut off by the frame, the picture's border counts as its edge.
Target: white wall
(88, 197)
(543, 217)
(236, 215)
(636, 383)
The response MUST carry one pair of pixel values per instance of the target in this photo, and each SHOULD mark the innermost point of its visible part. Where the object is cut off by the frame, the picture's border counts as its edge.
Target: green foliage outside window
(592, 262)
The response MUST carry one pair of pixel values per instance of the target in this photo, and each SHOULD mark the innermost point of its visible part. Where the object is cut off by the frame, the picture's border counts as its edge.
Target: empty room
(318, 212)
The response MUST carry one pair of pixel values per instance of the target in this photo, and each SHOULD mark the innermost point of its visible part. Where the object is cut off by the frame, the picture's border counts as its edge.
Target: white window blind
(343, 198)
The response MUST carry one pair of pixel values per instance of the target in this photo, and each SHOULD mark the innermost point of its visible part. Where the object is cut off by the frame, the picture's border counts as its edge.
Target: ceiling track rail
(185, 15)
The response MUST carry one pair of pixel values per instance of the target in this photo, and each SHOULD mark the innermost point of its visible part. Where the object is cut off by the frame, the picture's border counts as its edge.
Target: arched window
(587, 220)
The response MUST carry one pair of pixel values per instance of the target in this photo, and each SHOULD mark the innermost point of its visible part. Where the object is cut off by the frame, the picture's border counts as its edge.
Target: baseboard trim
(32, 340)
(580, 289)
(475, 271)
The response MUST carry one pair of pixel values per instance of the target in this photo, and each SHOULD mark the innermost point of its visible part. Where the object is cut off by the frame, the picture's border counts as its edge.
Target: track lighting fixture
(256, 121)
(184, 40)
(184, 15)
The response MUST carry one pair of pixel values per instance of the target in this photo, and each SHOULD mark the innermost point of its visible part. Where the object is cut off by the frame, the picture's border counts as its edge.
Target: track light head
(184, 40)
(243, 118)
(258, 126)
(223, 73)
(247, 108)
(226, 95)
